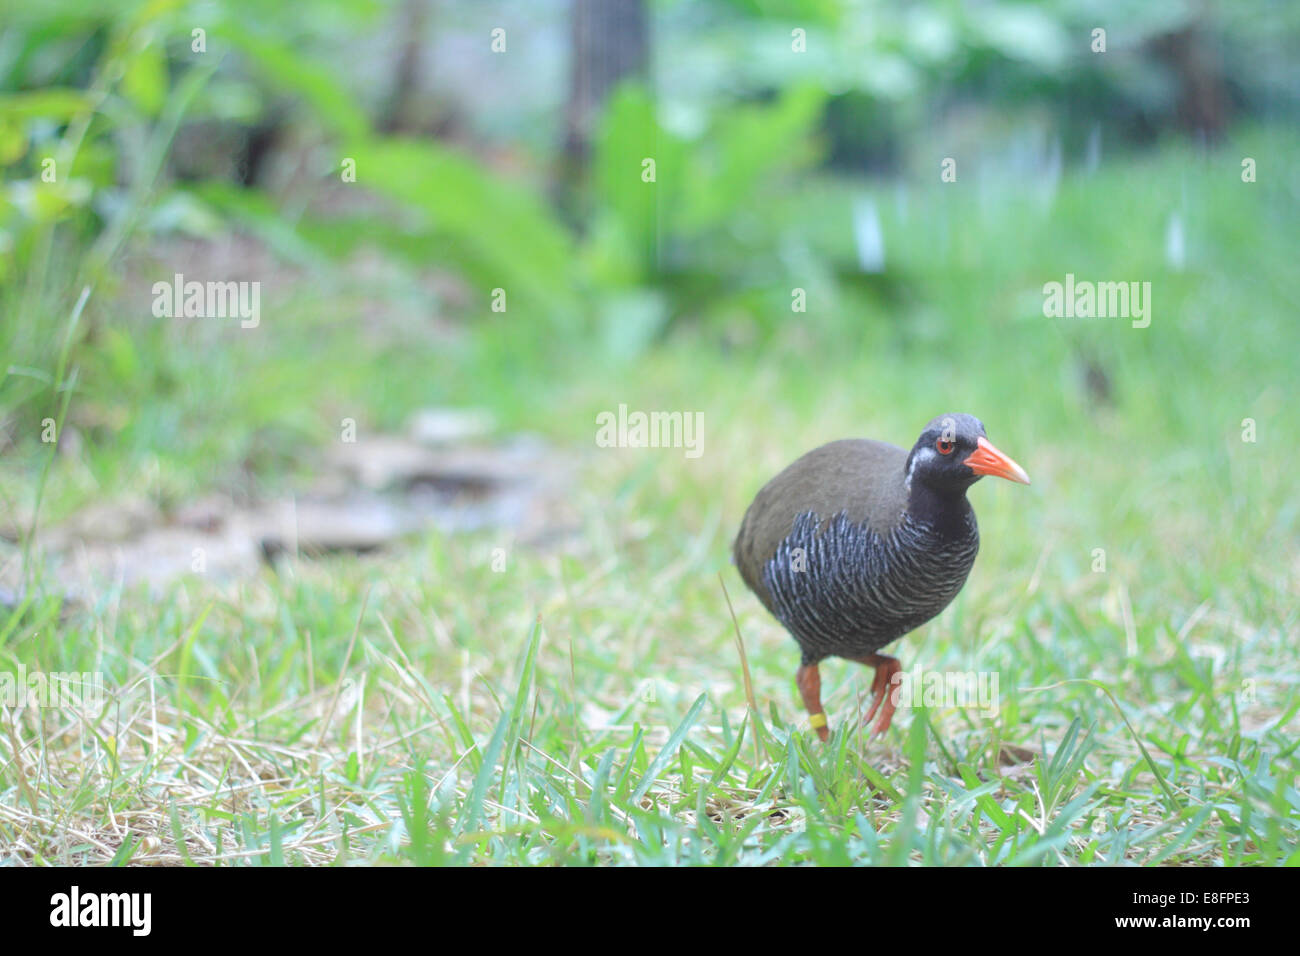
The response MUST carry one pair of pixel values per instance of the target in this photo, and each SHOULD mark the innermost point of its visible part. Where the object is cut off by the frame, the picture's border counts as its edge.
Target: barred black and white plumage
(842, 589)
(859, 542)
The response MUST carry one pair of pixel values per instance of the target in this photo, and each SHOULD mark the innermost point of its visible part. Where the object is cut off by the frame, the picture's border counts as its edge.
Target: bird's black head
(952, 454)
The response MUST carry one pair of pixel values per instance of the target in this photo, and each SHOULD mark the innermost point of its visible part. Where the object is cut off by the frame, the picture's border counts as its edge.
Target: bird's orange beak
(987, 460)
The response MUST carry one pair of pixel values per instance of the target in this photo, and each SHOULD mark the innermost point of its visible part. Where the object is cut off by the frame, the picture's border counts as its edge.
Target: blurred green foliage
(765, 121)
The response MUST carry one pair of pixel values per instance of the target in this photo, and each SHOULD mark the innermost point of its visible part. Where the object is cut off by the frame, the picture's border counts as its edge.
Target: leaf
(500, 232)
(53, 103)
(259, 214)
(183, 668)
(628, 139)
(663, 756)
(144, 81)
(13, 143)
(748, 147)
(315, 83)
(124, 852)
(984, 801)
(473, 806)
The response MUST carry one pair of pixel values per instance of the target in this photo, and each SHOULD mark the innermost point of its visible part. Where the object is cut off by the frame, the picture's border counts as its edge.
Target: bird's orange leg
(882, 686)
(809, 679)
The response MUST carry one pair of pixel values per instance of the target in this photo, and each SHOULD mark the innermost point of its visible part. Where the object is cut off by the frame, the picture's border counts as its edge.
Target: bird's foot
(882, 686)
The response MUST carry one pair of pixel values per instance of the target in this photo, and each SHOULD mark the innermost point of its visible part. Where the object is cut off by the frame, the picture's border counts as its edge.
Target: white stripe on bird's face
(926, 453)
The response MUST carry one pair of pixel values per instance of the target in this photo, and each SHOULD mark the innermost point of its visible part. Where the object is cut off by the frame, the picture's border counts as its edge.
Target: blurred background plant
(763, 117)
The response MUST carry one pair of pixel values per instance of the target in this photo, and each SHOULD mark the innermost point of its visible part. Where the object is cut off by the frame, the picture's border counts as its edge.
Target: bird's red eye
(945, 447)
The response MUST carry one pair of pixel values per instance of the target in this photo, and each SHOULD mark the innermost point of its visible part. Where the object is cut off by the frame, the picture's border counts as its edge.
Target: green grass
(587, 705)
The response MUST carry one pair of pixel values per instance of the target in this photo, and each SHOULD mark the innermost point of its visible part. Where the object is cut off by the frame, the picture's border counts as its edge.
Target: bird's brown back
(858, 476)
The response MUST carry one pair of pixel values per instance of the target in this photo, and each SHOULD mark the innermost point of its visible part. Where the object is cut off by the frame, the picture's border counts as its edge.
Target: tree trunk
(1202, 92)
(611, 42)
(397, 111)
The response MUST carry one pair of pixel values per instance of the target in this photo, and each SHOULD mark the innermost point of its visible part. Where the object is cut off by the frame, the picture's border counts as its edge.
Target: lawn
(586, 700)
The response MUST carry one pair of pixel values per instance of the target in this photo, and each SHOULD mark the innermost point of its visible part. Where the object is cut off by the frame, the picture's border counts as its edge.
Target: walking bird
(859, 542)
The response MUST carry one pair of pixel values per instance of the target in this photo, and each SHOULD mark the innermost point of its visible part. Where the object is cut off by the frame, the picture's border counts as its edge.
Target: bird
(860, 542)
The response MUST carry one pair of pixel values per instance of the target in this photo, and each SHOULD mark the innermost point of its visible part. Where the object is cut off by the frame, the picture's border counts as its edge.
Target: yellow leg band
(816, 720)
